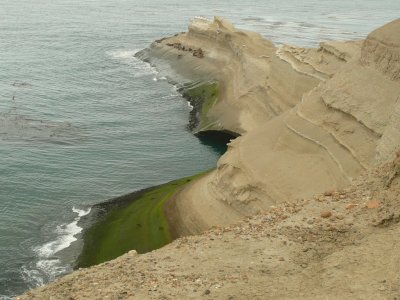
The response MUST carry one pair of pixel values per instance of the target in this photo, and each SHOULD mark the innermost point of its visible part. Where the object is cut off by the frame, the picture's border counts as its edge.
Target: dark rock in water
(160, 40)
(21, 84)
(143, 55)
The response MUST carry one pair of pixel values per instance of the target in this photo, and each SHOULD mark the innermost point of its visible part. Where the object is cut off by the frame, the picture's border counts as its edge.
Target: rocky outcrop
(320, 122)
(381, 50)
(336, 245)
(255, 85)
(311, 119)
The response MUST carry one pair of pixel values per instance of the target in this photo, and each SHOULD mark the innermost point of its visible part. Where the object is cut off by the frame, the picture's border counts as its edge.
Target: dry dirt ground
(337, 245)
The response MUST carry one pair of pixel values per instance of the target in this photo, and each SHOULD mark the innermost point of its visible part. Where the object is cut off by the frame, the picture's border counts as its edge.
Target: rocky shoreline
(341, 244)
(141, 215)
(304, 204)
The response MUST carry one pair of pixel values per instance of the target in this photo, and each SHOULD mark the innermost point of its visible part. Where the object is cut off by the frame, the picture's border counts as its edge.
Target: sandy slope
(291, 251)
(312, 120)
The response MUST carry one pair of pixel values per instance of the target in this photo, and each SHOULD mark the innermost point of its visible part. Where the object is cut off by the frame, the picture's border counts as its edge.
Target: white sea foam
(169, 96)
(127, 54)
(43, 271)
(32, 276)
(81, 212)
(48, 266)
(65, 236)
(140, 67)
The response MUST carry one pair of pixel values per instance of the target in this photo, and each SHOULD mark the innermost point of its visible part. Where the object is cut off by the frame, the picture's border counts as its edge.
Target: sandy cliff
(322, 122)
(312, 119)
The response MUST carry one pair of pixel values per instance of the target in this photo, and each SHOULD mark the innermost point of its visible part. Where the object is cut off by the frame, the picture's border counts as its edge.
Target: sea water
(82, 120)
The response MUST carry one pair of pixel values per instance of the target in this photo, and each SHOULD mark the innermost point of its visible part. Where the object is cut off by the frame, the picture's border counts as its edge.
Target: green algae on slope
(135, 221)
(202, 96)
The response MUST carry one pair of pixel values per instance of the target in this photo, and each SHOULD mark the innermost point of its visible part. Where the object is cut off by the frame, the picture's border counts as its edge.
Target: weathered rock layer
(322, 122)
(311, 119)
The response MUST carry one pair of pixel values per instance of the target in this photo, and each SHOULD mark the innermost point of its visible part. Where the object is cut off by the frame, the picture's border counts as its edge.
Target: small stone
(373, 204)
(310, 221)
(348, 222)
(281, 259)
(207, 292)
(328, 193)
(351, 205)
(132, 253)
(326, 214)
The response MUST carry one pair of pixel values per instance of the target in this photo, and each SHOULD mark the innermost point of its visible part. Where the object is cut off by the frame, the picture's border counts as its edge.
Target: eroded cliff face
(311, 119)
(255, 85)
(381, 51)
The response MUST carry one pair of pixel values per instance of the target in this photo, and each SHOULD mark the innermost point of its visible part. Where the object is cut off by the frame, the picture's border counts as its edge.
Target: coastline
(201, 96)
(294, 109)
(135, 221)
(343, 256)
(312, 181)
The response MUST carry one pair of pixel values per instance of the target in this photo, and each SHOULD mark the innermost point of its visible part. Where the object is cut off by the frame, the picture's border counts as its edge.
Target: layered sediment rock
(381, 50)
(310, 119)
(254, 85)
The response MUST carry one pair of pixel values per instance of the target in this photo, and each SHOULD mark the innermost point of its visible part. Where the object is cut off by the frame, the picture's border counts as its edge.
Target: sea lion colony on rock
(196, 52)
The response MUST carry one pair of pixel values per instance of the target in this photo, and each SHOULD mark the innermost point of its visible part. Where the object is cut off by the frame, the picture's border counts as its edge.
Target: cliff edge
(314, 174)
(335, 115)
(341, 244)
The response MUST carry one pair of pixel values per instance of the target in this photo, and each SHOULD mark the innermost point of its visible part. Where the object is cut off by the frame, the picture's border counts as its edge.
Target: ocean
(82, 120)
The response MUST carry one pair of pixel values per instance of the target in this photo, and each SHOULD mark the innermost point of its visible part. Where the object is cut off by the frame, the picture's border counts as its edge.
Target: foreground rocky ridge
(321, 122)
(341, 244)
